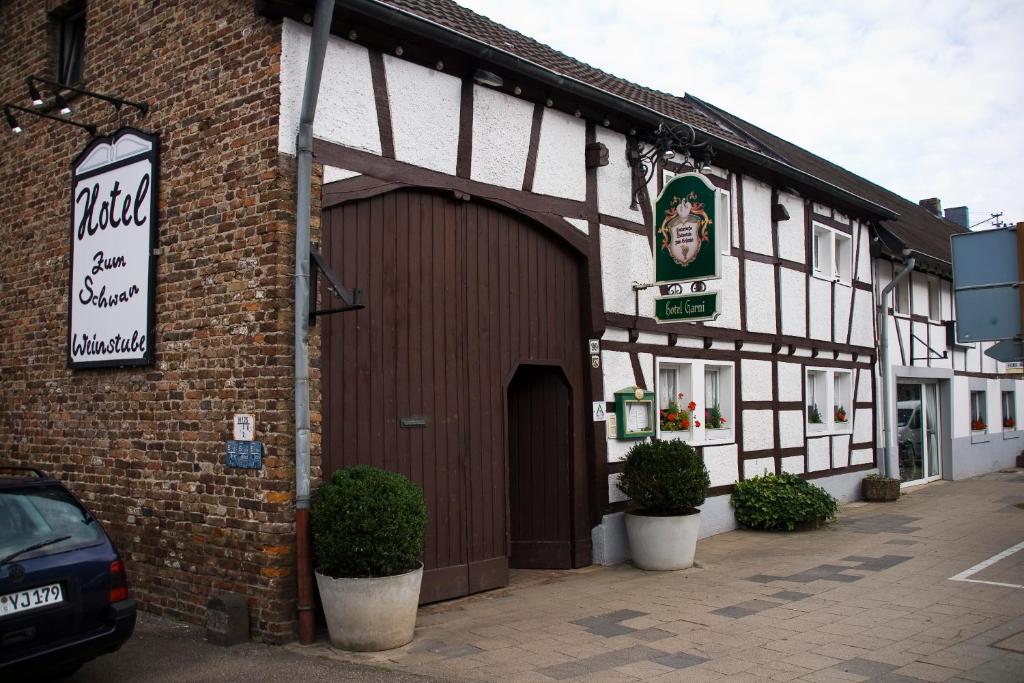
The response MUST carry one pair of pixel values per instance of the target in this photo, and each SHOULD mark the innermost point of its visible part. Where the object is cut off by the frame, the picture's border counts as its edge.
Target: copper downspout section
(304, 553)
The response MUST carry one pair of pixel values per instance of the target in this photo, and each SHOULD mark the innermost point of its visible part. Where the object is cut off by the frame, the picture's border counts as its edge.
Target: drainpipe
(304, 180)
(890, 465)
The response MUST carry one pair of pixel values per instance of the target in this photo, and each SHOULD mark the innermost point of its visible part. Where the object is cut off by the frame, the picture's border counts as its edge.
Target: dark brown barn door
(540, 495)
(457, 296)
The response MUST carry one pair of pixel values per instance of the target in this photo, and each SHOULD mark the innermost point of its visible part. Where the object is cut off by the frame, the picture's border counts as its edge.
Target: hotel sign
(685, 231)
(686, 307)
(113, 237)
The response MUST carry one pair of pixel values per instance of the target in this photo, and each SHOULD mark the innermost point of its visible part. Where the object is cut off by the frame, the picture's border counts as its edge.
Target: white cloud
(921, 96)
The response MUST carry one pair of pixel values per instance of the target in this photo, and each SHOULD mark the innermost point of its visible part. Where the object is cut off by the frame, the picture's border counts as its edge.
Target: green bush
(781, 501)
(664, 477)
(367, 522)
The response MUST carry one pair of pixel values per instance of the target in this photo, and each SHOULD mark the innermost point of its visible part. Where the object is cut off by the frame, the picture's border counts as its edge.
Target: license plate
(12, 603)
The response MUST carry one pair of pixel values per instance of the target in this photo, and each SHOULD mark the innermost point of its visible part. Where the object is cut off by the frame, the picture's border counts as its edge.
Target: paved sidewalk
(869, 598)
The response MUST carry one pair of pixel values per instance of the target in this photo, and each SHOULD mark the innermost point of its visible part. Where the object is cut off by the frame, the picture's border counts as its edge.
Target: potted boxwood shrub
(368, 528)
(876, 488)
(666, 481)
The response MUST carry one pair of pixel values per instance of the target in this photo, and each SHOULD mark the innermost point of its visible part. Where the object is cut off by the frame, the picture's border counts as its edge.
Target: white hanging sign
(113, 238)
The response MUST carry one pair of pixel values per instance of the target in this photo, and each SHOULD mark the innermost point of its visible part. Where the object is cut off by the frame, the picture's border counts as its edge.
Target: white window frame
(979, 408)
(901, 297)
(934, 299)
(691, 380)
(1013, 409)
(824, 381)
(831, 254)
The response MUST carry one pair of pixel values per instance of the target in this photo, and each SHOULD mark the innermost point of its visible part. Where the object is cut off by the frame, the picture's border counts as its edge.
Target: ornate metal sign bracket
(352, 300)
(668, 139)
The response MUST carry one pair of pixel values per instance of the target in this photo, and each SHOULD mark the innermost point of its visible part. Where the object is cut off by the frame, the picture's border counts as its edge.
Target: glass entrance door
(917, 431)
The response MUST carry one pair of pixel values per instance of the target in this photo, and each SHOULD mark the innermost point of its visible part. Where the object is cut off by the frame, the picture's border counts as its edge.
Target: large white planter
(662, 543)
(369, 615)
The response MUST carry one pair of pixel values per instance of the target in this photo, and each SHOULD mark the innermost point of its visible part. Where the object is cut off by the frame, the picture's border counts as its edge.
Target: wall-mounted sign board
(986, 290)
(686, 307)
(114, 198)
(685, 239)
(634, 413)
(245, 454)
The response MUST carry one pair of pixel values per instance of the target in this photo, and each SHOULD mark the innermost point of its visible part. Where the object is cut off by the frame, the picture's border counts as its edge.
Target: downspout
(304, 182)
(891, 467)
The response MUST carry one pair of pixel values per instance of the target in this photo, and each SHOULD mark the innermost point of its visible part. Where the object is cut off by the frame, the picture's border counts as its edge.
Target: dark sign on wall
(685, 230)
(113, 238)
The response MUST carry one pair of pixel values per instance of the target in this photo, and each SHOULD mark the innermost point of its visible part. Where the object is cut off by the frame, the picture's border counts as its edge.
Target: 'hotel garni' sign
(113, 237)
(686, 247)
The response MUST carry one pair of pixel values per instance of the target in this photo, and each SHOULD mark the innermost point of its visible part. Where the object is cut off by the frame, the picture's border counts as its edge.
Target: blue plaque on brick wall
(246, 454)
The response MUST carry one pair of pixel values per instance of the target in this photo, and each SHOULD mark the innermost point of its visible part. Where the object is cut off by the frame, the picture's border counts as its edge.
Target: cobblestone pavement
(868, 598)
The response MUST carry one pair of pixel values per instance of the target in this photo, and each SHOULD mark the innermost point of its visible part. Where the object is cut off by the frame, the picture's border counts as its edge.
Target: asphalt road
(163, 650)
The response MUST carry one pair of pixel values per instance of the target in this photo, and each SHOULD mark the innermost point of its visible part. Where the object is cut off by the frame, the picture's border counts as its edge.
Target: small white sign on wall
(113, 235)
(600, 414)
(245, 427)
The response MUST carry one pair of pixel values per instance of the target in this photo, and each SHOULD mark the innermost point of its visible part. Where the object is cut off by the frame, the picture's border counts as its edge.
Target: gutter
(890, 464)
(405, 20)
(304, 181)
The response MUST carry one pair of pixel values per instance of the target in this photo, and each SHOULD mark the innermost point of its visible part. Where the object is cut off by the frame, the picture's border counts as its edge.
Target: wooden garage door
(458, 296)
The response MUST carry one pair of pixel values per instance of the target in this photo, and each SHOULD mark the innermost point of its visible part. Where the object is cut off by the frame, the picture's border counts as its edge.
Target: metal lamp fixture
(9, 110)
(56, 87)
(489, 78)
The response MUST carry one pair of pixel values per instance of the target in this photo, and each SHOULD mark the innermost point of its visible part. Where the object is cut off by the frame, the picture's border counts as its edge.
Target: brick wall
(144, 447)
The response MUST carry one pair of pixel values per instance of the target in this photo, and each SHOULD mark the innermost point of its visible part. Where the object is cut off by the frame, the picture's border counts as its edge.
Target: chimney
(933, 205)
(960, 216)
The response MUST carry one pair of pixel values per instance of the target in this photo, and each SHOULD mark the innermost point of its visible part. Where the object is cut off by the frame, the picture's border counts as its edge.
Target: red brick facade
(145, 447)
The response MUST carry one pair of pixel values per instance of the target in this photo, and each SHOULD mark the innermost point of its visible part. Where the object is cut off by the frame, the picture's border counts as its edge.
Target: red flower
(680, 395)
(692, 406)
(686, 424)
(698, 423)
(722, 420)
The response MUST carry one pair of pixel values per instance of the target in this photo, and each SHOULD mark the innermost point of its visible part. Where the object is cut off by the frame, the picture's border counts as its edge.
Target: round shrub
(782, 501)
(367, 522)
(664, 477)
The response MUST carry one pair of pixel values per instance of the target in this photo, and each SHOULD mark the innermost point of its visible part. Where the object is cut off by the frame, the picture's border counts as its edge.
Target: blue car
(63, 588)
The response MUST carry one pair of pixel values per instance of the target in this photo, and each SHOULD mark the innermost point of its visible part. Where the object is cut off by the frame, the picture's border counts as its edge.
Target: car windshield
(33, 515)
(903, 416)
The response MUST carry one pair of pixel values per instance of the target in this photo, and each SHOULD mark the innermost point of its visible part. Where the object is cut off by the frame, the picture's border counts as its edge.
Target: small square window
(68, 27)
(831, 255)
(842, 398)
(1009, 410)
(817, 399)
(842, 257)
(978, 421)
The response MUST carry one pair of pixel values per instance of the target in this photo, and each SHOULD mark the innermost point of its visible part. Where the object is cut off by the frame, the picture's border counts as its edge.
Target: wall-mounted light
(780, 213)
(488, 78)
(9, 110)
(56, 87)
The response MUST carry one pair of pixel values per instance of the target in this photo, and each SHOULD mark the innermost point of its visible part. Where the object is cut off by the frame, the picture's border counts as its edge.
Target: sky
(916, 95)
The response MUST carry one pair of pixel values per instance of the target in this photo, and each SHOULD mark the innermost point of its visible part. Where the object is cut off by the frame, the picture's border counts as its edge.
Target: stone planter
(662, 543)
(369, 615)
(880, 490)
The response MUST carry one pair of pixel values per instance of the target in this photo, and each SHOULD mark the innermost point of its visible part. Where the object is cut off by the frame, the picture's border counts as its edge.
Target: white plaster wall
(791, 232)
(793, 465)
(864, 257)
(346, 112)
(618, 373)
(652, 338)
(791, 428)
(615, 334)
(822, 209)
(580, 224)
(425, 107)
(760, 292)
(863, 386)
(817, 454)
(614, 181)
(729, 294)
(625, 259)
(841, 450)
(790, 381)
(721, 463)
(919, 293)
(842, 314)
(821, 309)
(862, 422)
(863, 325)
(501, 137)
(961, 408)
(615, 494)
(757, 380)
(994, 407)
(646, 361)
(757, 217)
(758, 433)
(560, 168)
(861, 456)
(794, 302)
(758, 467)
(332, 174)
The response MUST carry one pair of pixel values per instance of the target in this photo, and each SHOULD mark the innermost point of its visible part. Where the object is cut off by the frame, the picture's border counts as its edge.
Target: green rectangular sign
(686, 307)
(685, 232)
